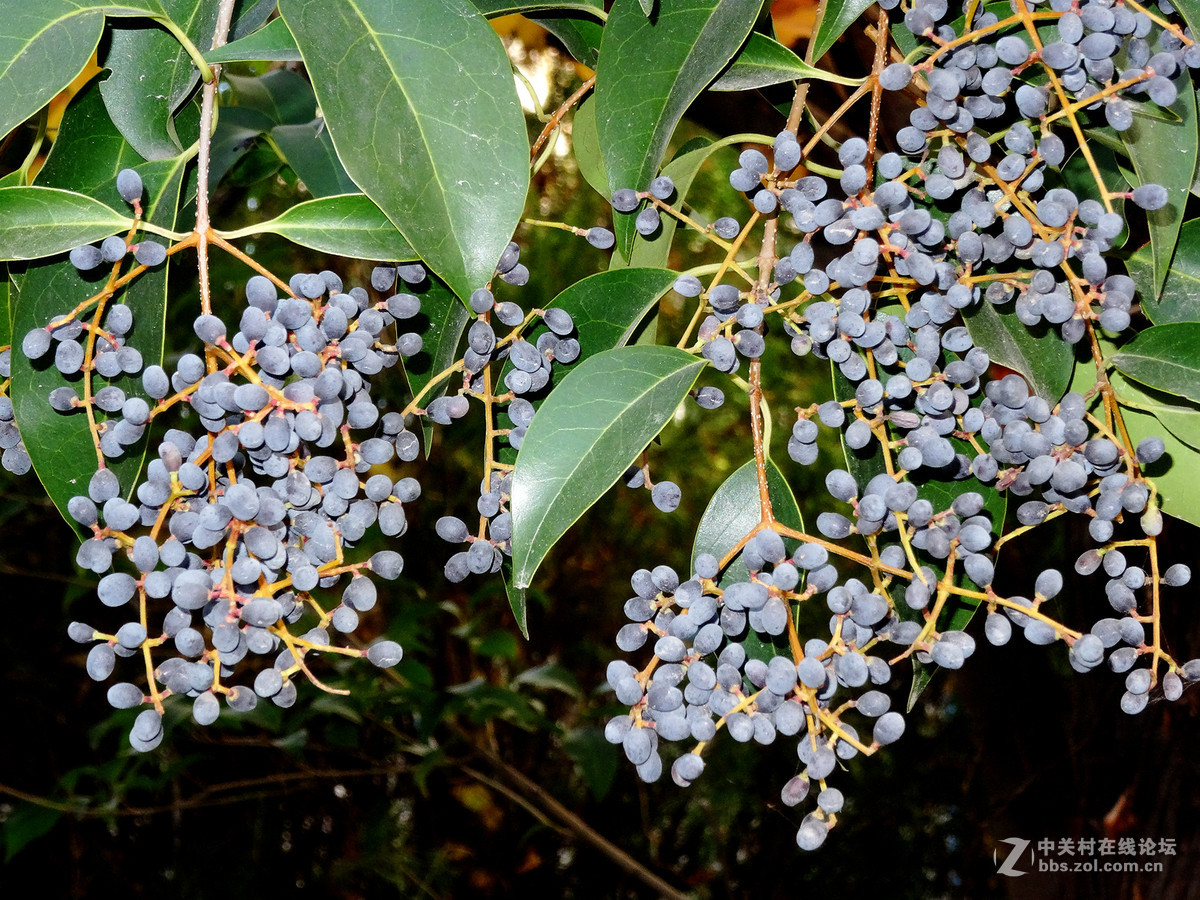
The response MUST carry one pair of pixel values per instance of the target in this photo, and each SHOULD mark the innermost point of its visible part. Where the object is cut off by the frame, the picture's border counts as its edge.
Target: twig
(557, 117)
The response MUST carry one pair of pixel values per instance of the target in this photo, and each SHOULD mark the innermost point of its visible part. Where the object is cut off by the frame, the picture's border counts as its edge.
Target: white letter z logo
(1007, 867)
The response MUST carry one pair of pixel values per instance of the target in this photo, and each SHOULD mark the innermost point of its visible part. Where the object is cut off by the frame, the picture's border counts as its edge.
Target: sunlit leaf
(45, 44)
(1165, 153)
(41, 221)
(1165, 357)
(449, 163)
(583, 438)
(347, 225)
(1179, 300)
(650, 71)
(271, 43)
(839, 15)
(764, 61)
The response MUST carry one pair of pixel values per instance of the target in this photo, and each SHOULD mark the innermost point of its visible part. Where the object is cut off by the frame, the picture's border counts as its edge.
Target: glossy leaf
(656, 249)
(1164, 152)
(517, 601)
(1190, 10)
(449, 163)
(271, 43)
(1174, 477)
(151, 75)
(733, 512)
(1040, 354)
(1165, 357)
(1181, 417)
(763, 61)
(649, 73)
(441, 323)
(308, 149)
(585, 436)
(608, 309)
(41, 221)
(1179, 300)
(347, 225)
(86, 158)
(45, 44)
(36, 61)
(839, 15)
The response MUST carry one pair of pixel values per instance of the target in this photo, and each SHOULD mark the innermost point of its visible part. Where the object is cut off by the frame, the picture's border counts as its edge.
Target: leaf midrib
(589, 454)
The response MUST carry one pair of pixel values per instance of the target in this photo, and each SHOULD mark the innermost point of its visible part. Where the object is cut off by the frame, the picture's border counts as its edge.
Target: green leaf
(607, 309)
(1164, 357)
(764, 61)
(649, 73)
(42, 221)
(839, 15)
(25, 824)
(308, 149)
(584, 437)
(1076, 174)
(596, 758)
(86, 158)
(1190, 10)
(39, 58)
(550, 676)
(271, 43)
(347, 225)
(1165, 153)
(733, 512)
(586, 142)
(1179, 300)
(1039, 354)
(656, 250)
(45, 44)
(1179, 416)
(494, 8)
(151, 75)
(281, 95)
(1174, 474)
(238, 129)
(580, 34)
(449, 164)
(447, 317)
(516, 598)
